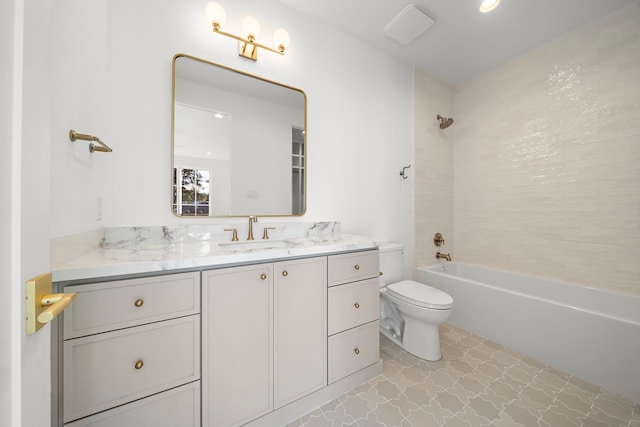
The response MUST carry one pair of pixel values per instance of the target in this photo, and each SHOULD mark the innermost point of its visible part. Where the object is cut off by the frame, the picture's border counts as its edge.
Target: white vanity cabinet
(353, 313)
(131, 351)
(264, 338)
(258, 344)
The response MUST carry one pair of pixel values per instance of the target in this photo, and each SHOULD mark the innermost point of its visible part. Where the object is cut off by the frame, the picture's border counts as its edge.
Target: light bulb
(251, 27)
(216, 14)
(488, 5)
(281, 39)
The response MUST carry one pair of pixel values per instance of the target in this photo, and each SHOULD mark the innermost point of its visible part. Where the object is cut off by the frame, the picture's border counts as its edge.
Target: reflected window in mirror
(191, 191)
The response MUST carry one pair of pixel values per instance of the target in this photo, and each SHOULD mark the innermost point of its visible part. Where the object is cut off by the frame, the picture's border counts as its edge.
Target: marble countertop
(134, 257)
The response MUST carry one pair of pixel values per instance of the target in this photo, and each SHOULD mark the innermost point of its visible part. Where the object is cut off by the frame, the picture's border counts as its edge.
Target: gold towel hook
(73, 135)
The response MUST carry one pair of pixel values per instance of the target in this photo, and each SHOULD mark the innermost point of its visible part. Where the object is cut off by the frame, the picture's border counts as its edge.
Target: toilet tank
(391, 262)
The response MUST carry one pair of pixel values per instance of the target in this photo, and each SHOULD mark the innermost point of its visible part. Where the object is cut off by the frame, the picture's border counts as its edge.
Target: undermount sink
(255, 245)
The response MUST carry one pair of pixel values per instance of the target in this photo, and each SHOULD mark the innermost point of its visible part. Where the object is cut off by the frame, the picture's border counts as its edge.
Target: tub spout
(443, 256)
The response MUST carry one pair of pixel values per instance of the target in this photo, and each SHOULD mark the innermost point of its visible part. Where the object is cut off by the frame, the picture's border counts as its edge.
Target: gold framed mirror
(238, 143)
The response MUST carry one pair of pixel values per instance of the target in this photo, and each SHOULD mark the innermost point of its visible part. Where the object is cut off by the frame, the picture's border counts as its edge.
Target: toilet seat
(420, 295)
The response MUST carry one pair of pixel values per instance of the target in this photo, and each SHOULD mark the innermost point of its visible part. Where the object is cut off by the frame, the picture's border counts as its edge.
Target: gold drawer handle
(357, 267)
(285, 273)
(139, 364)
(263, 276)
(138, 303)
(356, 350)
(356, 305)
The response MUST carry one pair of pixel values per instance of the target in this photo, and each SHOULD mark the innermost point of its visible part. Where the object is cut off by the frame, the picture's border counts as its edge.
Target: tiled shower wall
(547, 160)
(432, 170)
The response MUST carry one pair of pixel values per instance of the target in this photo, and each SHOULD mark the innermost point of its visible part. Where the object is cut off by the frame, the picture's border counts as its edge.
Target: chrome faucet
(443, 256)
(252, 219)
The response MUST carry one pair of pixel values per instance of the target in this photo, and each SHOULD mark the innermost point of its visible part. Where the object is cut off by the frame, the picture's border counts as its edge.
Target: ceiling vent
(408, 25)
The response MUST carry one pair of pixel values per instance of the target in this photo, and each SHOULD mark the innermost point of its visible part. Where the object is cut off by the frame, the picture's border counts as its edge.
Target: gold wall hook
(43, 306)
(102, 147)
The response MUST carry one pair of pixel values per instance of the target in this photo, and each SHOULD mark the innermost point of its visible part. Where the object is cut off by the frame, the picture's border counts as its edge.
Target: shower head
(444, 122)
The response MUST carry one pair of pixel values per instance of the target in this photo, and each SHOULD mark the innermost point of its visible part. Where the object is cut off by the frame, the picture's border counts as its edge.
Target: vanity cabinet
(353, 341)
(264, 338)
(256, 344)
(131, 349)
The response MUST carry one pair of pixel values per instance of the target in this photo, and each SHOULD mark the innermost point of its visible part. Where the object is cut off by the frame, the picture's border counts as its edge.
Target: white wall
(26, 112)
(547, 159)
(359, 112)
(9, 316)
(78, 101)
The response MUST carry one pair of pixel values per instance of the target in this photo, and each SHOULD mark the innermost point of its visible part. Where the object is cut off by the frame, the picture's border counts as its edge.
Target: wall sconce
(247, 47)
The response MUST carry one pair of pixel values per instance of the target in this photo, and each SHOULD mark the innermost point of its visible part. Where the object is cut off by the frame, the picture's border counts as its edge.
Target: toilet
(410, 312)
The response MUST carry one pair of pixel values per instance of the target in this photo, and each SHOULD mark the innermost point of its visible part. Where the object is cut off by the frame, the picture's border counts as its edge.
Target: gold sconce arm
(102, 147)
(280, 50)
(43, 306)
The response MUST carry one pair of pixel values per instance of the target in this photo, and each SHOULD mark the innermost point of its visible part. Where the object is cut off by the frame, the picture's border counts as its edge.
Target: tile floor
(477, 383)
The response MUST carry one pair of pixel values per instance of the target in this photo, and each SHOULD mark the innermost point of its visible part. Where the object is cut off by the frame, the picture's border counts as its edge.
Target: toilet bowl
(410, 312)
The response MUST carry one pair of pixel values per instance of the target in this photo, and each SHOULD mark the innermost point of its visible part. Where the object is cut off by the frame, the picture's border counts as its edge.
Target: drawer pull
(263, 276)
(285, 273)
(356, 305)
(356, 350)
(357, 267)
(139, 364)
(138, 303)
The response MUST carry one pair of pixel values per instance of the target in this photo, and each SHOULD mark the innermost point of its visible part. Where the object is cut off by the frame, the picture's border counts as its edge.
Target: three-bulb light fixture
(247, 47)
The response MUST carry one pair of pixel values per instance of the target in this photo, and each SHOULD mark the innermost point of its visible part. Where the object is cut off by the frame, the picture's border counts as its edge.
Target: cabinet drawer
(352, 305)
(103, 307)
(351, 267)
(176, 407)
(100, 371)
(353, 350)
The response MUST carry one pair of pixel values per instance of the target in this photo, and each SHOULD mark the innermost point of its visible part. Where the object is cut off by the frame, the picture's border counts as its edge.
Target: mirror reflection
(238, 143)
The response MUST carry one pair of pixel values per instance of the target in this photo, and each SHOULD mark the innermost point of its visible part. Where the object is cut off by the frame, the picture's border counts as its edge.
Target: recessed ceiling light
(488, 5)
(218, 116)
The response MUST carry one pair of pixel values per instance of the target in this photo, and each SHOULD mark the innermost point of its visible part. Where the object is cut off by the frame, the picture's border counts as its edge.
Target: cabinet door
(237, 335)
(300, 331)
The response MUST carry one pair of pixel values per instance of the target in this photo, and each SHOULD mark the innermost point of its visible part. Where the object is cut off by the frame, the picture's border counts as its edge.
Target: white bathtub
(590, 333)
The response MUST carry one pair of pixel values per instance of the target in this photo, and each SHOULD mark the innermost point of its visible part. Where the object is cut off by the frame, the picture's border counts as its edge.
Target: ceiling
(462, 43)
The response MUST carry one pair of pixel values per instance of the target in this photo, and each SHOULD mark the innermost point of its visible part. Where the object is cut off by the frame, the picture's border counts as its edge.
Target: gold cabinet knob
(285, 273)
(139, 364)
(138, 303)
(380, 273)
(356, 305)
(356, 350)
(263, 276)
(357, 267)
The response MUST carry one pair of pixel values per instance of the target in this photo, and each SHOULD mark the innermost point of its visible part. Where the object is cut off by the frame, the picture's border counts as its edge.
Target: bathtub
(590, 333)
